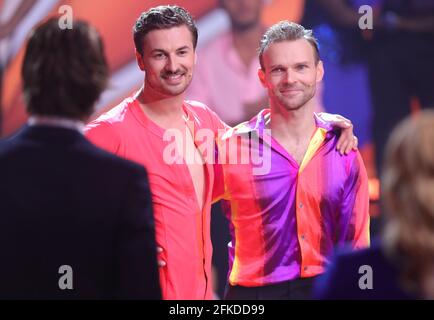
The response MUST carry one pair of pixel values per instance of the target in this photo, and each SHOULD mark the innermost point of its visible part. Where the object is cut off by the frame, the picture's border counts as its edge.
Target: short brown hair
(64, 71)
(162, 17)
(286, 31)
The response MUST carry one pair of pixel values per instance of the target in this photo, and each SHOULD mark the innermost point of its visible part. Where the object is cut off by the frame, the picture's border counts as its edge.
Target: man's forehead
(299, 49)
(175, 37)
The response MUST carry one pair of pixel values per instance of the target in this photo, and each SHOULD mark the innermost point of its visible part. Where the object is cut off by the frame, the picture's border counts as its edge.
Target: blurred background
(375, 77)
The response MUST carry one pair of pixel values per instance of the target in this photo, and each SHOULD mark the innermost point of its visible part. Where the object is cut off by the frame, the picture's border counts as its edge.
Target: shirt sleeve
(354, 216)
(103, 135)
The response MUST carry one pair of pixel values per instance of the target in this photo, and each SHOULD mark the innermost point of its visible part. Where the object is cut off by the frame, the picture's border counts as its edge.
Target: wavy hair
(408, 194)
(64, 71)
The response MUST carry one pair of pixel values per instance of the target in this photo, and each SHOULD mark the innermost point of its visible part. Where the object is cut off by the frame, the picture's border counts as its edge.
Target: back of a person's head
(408, 193)
(64, 70)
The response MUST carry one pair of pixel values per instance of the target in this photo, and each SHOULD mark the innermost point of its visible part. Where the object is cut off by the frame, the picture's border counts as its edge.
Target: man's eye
(277, 70)
(182, 53)
(158, 56)
(301, 67)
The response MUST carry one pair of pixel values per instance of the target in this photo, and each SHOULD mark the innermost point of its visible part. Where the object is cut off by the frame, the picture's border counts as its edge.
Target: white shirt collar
(56, 122)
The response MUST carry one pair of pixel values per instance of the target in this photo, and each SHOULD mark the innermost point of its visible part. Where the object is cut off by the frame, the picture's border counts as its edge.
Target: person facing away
(401, 263)
(77, 221)
(145, 127)
(296, 197)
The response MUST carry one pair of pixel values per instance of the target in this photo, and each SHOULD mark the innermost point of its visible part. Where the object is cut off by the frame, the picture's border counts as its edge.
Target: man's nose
(172, 64)
(290, 77)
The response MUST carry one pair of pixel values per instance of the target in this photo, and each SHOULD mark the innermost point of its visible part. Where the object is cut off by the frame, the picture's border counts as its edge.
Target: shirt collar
(56, 122)
(259, 122)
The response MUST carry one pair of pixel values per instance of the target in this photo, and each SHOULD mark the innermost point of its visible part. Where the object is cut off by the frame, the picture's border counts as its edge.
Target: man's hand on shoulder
(347, 141)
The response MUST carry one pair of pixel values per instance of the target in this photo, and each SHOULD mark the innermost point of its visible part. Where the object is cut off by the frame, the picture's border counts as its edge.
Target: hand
(347, 141)
(161, 263)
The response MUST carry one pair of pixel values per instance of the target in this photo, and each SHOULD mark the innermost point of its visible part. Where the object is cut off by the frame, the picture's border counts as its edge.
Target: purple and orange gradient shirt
(286, 220)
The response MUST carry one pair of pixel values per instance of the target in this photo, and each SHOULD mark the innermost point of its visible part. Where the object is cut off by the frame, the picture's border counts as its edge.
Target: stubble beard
(292, 106)
(166, 90)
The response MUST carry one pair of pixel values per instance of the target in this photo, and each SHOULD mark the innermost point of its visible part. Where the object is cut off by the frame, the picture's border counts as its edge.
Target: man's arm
(103, 135)
(347, 140)
(353, 220)
(136, 267)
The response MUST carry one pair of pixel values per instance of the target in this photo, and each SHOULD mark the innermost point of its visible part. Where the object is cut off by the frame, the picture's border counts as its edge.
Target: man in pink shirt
(140, 129)
(165, 38)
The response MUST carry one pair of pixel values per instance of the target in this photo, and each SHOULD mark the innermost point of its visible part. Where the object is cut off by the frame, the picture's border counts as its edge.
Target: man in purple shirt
(296, 197)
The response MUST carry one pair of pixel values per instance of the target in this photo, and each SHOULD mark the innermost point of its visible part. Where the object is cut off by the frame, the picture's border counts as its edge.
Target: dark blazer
(347, 269)
(65, 202)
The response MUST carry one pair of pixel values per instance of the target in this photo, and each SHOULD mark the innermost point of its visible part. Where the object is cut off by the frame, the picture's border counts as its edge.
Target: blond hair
(408, 194)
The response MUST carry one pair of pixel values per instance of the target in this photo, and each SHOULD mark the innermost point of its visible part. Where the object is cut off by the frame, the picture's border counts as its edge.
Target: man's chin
(175, 91)
(295, 103)
(292, 105)
(293, 108)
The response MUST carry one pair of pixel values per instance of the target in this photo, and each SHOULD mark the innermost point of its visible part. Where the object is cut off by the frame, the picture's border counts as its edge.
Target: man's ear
(319, 71)
(140, 62)
(261, 76)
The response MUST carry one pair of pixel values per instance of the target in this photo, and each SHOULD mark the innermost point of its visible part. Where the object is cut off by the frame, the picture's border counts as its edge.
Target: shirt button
(303, 237)
(300, 205)
(305, 268)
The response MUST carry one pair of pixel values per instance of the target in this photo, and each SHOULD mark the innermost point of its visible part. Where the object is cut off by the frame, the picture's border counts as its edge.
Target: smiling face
(290, 73)
(168, 60)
